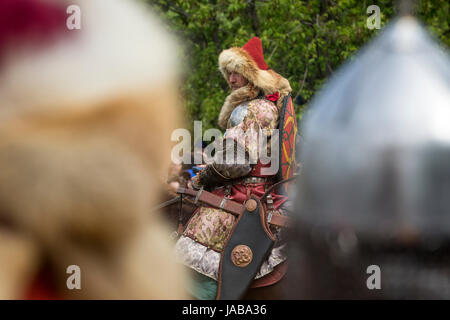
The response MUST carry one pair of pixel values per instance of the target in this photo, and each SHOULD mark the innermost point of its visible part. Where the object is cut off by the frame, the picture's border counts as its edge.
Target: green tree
(305, 41)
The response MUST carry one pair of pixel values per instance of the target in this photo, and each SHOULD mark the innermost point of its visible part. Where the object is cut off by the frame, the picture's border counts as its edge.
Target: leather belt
(247, 180)
(214, 200)
(250, 180)
(278, 220)
(227, 205)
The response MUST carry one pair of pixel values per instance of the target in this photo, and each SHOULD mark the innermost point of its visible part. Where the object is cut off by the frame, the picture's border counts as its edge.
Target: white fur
(111, 54)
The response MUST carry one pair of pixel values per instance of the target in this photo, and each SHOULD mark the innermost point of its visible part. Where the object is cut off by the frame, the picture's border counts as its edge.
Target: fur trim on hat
(268, 81)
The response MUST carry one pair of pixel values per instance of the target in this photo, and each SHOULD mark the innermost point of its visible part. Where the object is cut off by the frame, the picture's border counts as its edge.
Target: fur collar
(235, 98)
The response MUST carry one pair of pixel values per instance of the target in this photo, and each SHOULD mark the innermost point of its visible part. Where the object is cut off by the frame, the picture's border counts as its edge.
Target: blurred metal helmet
(376, 153)
(374, 190)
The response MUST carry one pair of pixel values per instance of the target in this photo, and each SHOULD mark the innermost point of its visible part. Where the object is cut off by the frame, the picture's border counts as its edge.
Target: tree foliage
(305, 41)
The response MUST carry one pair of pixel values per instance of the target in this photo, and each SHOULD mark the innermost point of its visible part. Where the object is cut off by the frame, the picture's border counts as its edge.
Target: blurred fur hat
(80, 122)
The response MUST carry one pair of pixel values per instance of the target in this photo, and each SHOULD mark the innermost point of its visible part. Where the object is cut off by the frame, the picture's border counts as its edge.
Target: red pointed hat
(249, 62)
(255, 50)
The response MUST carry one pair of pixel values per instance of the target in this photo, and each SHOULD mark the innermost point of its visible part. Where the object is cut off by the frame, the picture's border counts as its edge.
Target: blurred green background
(305, 41)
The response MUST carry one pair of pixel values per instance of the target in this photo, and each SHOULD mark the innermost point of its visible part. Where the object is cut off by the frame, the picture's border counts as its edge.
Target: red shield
(288, 133)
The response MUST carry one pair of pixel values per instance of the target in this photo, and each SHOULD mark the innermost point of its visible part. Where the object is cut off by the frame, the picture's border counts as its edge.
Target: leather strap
(279, 220)
(269, 190)
(228, 205)
(214, 200)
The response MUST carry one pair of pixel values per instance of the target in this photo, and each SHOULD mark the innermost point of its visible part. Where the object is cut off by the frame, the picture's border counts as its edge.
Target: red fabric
(22, 21)
(255, 49)
(239, 191)
(273, 97)
(256, 171)
(41, 288)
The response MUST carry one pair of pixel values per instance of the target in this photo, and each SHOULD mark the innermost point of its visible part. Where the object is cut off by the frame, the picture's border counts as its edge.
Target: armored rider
(251, 110)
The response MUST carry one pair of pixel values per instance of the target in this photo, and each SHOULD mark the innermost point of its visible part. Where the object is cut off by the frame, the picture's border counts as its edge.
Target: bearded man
(251, 110)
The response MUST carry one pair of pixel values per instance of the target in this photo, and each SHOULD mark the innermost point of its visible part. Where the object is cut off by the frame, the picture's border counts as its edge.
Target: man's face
(237, 81)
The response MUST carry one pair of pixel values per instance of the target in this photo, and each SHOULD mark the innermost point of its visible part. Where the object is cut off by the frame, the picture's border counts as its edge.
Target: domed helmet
(374, 193)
